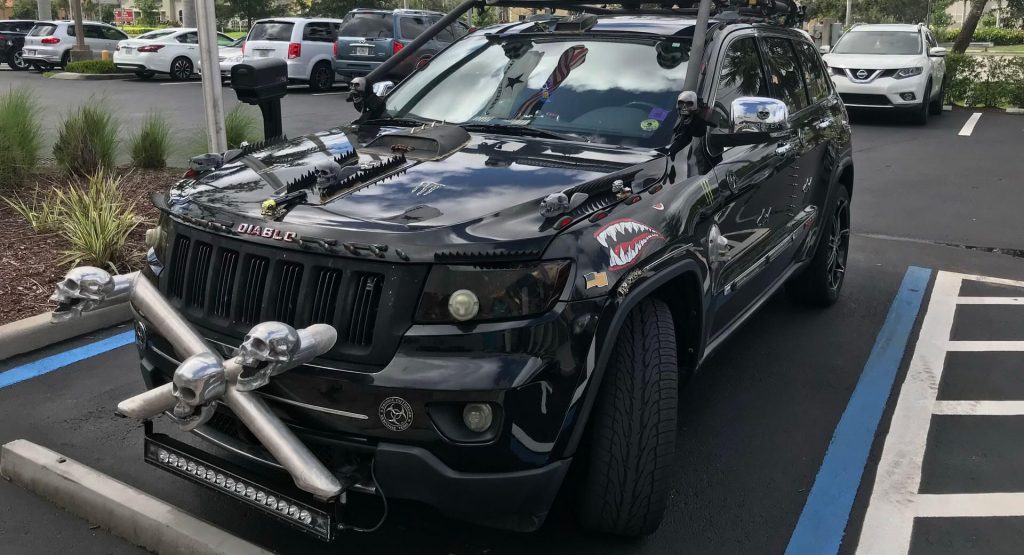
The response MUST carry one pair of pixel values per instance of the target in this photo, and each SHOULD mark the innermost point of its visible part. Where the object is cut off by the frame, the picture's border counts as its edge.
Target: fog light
(463, 305)
(908, 96)
(163, 456)
(477, 416)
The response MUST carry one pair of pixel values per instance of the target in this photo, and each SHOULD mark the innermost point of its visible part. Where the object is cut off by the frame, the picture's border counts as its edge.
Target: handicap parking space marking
(895, 500)
(972, 122)
(60, 360)
(823, 520)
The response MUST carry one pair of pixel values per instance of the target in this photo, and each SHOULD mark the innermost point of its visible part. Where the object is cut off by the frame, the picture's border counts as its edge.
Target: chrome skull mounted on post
(203, 378)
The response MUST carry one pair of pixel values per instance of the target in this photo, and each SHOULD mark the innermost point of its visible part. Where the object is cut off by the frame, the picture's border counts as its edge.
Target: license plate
(362, 51)
(127, 50)
(263, 53)
(29, 53)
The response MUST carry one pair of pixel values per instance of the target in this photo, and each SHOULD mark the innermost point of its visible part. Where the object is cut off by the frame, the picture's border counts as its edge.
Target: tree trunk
(970, 25)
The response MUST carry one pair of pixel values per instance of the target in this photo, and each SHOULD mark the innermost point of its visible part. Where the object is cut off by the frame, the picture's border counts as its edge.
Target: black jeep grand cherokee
(526, 246)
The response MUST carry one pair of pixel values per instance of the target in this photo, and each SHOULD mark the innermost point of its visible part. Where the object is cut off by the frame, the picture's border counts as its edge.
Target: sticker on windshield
(650, 125)
(658, 113)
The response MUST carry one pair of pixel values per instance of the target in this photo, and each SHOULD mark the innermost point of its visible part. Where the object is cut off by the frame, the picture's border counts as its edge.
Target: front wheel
(632, 436)
(17, 61)
(936, 106)
(923, 110)
(322, 78)
(820, 283)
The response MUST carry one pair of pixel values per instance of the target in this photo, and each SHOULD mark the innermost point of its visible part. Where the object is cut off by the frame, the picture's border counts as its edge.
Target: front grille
(227, 285)
(865, 99)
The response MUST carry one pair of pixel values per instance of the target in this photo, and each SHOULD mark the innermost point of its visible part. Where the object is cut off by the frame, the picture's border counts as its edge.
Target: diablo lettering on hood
(625, 239)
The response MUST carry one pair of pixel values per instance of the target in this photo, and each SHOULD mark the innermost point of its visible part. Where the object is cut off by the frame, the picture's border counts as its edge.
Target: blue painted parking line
(827, 510)
(60, 360)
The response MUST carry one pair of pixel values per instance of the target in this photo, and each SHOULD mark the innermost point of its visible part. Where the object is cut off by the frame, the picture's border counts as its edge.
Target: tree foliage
(149, 11)
(23, 9)
(970, 24)
(249, 10)
(877, 11)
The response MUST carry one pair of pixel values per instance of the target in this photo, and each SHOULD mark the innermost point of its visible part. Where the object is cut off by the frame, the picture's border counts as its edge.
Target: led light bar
(214, 476)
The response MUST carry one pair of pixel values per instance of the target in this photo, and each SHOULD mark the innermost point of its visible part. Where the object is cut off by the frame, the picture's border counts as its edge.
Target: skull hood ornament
(265, 351)
(197, 383)
(81, 290)
(686, 105)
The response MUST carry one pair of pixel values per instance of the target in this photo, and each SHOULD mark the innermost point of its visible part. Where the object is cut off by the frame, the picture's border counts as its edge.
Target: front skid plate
(232, 480)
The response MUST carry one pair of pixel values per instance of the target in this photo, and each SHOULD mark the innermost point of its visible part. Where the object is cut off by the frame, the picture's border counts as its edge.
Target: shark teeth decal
(625, 239)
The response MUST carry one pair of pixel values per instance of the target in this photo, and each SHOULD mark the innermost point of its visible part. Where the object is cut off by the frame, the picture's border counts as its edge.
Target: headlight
(908, 72)
(477, 293)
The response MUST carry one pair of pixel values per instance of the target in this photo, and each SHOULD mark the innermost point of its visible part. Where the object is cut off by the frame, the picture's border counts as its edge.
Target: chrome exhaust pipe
(204, 378)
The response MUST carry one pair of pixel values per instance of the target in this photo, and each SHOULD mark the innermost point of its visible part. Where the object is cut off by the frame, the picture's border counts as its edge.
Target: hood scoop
(429, 142)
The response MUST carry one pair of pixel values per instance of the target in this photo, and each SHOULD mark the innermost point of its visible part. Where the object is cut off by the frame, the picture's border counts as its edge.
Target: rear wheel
(633, 428)
(322, 77)
(16, 60)
(65, 59)
(820, 283)
(181, 69)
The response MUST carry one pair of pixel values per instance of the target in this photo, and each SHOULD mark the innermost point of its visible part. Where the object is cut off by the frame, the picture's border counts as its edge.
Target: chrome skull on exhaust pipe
(203, 378)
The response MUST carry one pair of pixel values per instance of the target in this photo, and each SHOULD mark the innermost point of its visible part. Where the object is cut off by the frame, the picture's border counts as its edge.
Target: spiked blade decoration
(346, 158)
(364, 176)
(250, 148)
(305, 181)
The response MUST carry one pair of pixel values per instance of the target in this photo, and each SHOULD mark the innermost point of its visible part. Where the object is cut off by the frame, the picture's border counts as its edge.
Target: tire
(181, 69)
(322, 77)
(16, 62)
(65, 59)
(920, 114)
(144, 75)
(821, 282)
(936, 106)
(632, 433)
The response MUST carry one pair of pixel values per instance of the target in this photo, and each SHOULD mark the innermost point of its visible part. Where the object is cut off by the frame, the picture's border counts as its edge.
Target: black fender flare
(611, 322)
(845, 161)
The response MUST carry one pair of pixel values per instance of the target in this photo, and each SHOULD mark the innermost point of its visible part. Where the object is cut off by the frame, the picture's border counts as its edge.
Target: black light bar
(211, 471)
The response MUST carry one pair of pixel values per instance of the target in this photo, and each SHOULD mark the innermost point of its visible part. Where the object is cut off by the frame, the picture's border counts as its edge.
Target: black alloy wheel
(819, 284)
(181, 69)
(322, 78)
(838, 244)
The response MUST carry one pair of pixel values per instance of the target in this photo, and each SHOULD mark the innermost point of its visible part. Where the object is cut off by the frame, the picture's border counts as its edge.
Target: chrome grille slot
(179, 260)
(255, 279)
(225, 283)
(199, 274)
(288, 292)
(364, 308)
(325, 298)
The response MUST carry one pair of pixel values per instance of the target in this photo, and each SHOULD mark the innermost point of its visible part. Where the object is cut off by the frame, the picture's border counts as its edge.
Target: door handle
(824, 124)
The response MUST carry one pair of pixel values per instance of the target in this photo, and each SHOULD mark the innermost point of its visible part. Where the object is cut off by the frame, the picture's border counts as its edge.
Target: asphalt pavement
(755, 425)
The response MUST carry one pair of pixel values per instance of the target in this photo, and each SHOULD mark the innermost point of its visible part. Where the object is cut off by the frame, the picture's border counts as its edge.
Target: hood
(487, 190)
(872, 61)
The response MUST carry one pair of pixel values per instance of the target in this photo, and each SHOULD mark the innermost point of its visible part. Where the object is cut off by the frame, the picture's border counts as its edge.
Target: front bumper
(883, 92)
(349, 69)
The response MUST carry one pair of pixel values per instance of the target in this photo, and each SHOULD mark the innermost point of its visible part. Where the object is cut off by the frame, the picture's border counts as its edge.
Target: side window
(785, 74)
(446, 35)
(71, 30)
(742, 75)
(113, 34)
(814, 73)
(224, 40)
(94, 32)
(931, 39)
(318, 31)
(460, 29)
(411, 27)
(189, 38)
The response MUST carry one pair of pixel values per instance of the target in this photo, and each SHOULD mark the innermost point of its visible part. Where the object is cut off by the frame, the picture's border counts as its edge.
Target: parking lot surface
(755, 425)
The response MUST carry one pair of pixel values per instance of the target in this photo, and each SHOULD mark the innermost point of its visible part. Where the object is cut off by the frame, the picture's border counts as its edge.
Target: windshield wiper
(520, 130)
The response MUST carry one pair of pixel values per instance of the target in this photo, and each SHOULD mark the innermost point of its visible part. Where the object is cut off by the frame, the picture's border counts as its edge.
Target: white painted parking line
(990, 300)
(327, 94)
(969, 126)
(895, 500)
(979, 408)
(180, 83)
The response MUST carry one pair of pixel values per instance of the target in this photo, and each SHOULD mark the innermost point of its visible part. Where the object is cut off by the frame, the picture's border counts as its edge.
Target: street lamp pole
(80, 51)
(849, 13)
(213, 99)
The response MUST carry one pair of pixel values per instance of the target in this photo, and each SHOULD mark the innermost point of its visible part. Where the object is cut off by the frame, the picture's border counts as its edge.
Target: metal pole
(849, 13)
(80, 50)
(43, 10)
(212, 97)
(700, 33)
(188, 13)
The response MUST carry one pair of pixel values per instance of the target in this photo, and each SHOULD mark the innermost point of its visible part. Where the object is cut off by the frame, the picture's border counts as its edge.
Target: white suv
(890, 67)
(307, 44)
(49, 43)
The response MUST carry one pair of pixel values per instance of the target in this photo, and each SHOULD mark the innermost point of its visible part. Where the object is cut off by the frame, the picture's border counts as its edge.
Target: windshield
(885, 43)
(368, 25)
(608, 91)
(272, 31)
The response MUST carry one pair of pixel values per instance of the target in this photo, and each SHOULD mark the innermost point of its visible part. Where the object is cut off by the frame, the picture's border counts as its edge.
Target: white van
(307, 44)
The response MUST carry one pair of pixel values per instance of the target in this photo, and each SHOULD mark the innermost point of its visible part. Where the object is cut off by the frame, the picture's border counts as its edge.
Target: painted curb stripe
(51, 363)
(827, 510)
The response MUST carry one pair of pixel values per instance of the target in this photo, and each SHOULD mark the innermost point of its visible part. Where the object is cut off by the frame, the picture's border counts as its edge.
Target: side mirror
(824, 49)
(754, 120)
(382, 88)
(938, 52)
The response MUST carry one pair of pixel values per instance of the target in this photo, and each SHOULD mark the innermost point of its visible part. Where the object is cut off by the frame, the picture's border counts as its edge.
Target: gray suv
(369, 37)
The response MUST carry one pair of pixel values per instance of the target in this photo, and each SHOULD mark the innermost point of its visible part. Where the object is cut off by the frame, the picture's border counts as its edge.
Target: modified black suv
(525, 247)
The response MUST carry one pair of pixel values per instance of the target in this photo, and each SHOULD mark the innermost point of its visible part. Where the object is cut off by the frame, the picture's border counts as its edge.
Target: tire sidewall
(176, 74)
(314, 78)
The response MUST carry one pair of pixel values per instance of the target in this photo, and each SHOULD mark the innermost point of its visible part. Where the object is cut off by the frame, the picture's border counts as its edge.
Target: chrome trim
(872, 77)
(231, 444)
(885, 106)
(355, 415)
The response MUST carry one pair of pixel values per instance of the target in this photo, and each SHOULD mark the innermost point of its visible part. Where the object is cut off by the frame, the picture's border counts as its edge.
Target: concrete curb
(115, 506)
(1015, 111)
(91, 76)
(39, 331)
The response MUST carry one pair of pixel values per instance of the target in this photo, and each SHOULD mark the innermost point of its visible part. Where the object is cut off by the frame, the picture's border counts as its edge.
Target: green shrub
(87, 141)
(242, 125)
(151, 144)
(996, 35)
(96, 220)
(20, 137)
(42, 212)
(92, 66)
(991, 81)
(136, 30)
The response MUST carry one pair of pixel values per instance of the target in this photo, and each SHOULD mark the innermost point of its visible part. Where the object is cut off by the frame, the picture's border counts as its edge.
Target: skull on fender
(81, 290)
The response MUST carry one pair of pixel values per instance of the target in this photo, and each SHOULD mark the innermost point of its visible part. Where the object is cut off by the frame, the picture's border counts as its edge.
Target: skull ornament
(266, 351)
(81, 290)
(686, 104)
(199, 380)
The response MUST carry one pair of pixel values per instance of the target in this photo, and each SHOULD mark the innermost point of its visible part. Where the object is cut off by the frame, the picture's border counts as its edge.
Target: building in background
(958, 10)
